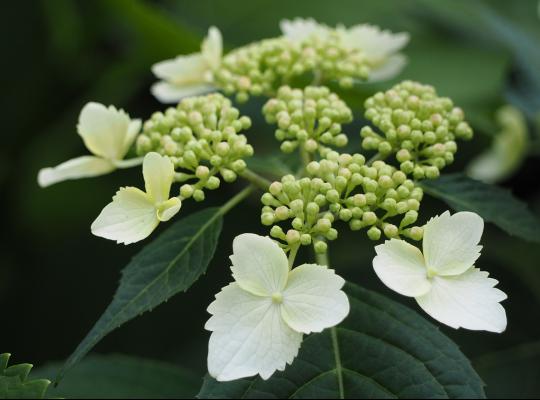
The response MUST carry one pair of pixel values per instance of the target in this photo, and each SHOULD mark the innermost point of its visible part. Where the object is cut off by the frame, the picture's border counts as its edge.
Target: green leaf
(120, 376)
(14, 382)
(167, 266)
(382, 350)
(511, 373)
(492, 203)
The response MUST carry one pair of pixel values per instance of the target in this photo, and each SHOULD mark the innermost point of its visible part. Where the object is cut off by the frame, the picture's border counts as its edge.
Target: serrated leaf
(382, 350)
(167, 266)
(492, 203)
(14, 382)
(121, 376)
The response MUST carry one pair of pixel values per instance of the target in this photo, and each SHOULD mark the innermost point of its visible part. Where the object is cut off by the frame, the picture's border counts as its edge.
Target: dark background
(56, 278)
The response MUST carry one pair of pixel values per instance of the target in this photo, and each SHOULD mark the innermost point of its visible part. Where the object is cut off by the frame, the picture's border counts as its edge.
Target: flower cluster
(258, 321)
(342, 187)
(310, 118)
(361, 52)
(417, 125)
(202, 138)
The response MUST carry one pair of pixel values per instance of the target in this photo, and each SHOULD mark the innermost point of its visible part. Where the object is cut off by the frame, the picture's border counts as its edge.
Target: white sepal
(313, 299)
(469, 301)
(81, 167)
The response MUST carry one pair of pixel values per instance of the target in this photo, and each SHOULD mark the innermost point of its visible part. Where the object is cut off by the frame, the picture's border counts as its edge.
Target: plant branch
(257, 180)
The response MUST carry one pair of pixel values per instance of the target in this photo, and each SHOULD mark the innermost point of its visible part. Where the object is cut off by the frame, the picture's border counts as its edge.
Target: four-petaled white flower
(258, 321)
(443, 279)
(191, 74)
(108, 133)
(133, 214)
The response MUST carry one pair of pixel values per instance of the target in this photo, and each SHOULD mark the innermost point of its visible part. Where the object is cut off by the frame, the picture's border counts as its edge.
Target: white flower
(133, 214)
(191, 74)
(443, 280)
(108, 133)
(258, 321)
(381, 48)
(300, 29)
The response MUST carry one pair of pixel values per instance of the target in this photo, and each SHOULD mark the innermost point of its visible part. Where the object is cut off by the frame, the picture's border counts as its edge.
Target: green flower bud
(374, 233)
(267, 219)
(391, 231)
(320, 247)
(369, 218)
(282, 213)
(212, 183)
(293, 236)
(305, 239)
(186, 191)
(198, 195)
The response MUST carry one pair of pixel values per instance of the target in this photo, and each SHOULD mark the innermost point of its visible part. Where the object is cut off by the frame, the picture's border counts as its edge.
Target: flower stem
(234, 201)
(292, 254)
(256, 179)
(322, 259)
(376, 157)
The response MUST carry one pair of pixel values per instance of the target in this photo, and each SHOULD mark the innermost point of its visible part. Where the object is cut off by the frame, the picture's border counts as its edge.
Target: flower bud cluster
(342, 187)
(310, 118)
(202, 138)
(261, 67)
(420, 127)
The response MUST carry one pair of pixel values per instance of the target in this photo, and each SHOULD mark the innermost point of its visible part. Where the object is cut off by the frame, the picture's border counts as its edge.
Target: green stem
(292, 254)
(376, 157)
(322, 259)
(234, 201)
(256, 179)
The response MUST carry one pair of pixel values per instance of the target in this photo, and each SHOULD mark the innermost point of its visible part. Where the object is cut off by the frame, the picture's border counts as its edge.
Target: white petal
(389, 69)
(451, 242)
(468, 301)
(105, 131)
(133, 130)
(313, 299)
(259, 264)
(158, 174)
(401, 267)
(300, 29)
(81, 167)
(169, 93)
(249, 336)
(182, 70)
(377, 44)
(131, 217)
(212, 47)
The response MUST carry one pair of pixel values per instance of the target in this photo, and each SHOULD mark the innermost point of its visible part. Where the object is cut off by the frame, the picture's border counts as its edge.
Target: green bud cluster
(261, 67)
(417, 125)
(342, 187)
(310, 118)
(202, 138)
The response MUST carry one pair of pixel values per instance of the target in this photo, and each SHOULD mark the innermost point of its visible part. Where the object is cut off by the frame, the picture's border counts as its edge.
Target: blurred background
(56, 278)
